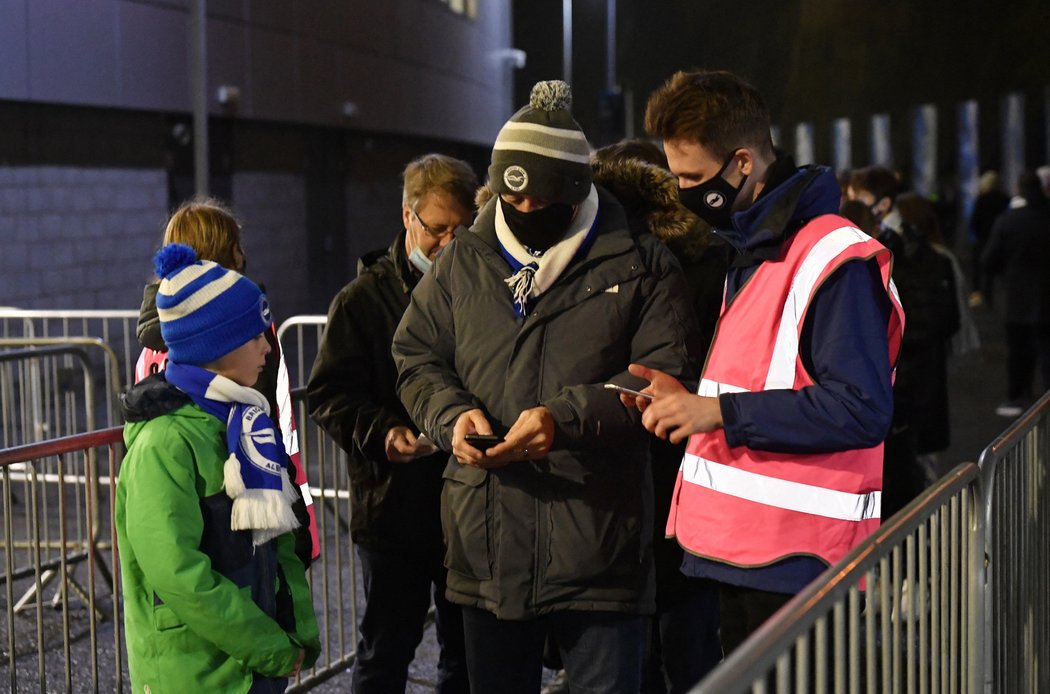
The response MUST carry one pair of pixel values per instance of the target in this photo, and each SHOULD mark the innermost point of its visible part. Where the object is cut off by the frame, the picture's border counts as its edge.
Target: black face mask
(541, 229)
(712, 200)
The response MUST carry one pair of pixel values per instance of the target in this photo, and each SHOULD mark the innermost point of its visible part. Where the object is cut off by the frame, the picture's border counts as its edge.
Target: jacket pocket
(466, 521)
(596, 541)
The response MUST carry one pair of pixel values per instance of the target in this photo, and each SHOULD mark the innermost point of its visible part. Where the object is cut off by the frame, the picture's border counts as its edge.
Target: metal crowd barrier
(1015, 469)
(334, 576)
(72, 640)
(44, 396)
(948, 596)
(300, 338)
(117, 329)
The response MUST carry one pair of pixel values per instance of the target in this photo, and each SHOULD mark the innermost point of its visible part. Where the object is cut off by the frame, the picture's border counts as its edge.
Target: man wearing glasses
(395, 474)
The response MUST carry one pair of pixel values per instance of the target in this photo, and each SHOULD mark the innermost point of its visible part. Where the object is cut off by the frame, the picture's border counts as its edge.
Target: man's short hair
(877, 180)
(432, 172)
(716, 109)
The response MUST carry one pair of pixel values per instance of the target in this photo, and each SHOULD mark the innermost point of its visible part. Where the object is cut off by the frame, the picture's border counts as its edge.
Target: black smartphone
(483, 441)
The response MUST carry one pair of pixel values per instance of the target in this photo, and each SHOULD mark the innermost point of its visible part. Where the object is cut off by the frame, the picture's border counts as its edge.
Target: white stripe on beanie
(196, 300)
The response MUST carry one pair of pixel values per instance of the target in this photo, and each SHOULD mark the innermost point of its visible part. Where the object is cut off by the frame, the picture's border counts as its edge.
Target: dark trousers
(744, 610)
(1026, 346)
(684, 644)
(601, 651)
(398, 587)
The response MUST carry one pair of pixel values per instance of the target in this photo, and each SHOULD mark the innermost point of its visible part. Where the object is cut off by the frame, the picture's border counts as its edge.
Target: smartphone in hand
(628, 391)
(483, 441)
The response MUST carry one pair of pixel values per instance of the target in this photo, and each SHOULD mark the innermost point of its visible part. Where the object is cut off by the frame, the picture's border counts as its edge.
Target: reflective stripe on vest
(773, 491)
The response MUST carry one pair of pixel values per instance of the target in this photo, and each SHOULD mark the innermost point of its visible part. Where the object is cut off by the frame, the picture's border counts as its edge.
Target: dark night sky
(813, 60)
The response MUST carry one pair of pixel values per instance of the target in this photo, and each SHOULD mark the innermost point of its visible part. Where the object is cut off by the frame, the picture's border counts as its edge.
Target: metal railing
(1015, 469)
(117, 329)
(948, 596)
(300, 338)
(51, 493)
(41, 396)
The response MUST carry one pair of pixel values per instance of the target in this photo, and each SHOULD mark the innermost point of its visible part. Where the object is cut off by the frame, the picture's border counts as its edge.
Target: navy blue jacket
(843, 345)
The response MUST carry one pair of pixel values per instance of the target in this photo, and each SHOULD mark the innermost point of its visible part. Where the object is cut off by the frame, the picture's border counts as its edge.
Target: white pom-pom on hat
(551, 95)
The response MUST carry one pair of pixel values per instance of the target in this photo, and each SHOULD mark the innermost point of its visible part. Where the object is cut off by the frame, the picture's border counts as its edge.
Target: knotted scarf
(255, 474)
(534, 274)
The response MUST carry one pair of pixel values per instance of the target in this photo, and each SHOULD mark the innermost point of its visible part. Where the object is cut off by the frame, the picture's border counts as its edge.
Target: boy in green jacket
(215, 598)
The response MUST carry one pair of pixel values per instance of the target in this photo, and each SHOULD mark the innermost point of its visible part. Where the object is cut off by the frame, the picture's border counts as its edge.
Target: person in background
(1019, 250)
(210, 228)
(514, 333)
(925, 282)
(215, 598)
(990, 203)
(795, 398)
(395, 473)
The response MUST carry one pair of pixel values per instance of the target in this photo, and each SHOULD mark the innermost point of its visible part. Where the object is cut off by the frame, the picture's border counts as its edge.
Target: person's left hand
(674, 413)
(531, 436)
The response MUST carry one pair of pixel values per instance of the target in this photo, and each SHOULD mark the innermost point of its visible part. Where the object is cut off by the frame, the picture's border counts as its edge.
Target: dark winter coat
(572, 530)
(352, 395)
(926, 285)
(1019, 250)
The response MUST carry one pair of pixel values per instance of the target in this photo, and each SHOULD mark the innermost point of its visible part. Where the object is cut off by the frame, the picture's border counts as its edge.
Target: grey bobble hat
(541, 150)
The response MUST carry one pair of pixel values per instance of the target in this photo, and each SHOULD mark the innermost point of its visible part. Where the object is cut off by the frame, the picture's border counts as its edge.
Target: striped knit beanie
(205, 310)
(541, 150)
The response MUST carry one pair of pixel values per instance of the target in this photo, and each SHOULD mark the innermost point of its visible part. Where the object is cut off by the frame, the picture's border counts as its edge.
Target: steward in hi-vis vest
(752, 507)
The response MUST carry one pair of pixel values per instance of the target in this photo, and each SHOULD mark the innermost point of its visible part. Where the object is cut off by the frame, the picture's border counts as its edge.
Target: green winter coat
(190, 628)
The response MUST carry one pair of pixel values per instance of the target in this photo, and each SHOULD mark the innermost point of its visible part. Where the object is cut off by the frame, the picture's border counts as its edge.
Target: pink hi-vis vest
(748, 507)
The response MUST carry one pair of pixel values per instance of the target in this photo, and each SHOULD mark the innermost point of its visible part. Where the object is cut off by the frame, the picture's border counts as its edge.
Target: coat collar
(796, 196)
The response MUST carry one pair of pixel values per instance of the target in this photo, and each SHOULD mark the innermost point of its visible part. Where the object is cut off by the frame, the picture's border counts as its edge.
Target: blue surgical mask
(419, 260)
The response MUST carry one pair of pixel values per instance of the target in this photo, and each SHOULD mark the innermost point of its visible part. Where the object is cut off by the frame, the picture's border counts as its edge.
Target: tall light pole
(199, 84)
(566, 40)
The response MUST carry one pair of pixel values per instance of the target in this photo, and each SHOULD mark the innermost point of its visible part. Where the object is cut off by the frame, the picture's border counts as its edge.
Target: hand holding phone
(628, 391)
(483, 441)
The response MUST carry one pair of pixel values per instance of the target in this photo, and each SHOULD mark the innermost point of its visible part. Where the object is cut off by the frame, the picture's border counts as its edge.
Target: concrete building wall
(272, 207)
(78, 238)
(412, 67)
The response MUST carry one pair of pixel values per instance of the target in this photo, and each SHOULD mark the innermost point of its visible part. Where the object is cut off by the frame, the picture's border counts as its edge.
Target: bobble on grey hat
(541, 150)
(205, 310)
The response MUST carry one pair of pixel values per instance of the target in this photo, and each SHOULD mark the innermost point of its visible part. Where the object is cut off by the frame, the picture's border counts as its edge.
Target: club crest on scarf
(255, 475)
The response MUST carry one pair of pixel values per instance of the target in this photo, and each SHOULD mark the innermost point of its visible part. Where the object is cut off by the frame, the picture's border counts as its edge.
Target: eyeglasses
(436, 232)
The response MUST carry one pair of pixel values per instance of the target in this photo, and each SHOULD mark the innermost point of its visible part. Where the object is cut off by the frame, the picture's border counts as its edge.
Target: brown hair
(877, 180)
(439, 172)
(208, 226)
(919, 212)
(716, 109)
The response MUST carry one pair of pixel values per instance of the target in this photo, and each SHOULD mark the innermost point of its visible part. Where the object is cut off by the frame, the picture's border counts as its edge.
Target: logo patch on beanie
(264, 310)
(714, 200)
(516, 178)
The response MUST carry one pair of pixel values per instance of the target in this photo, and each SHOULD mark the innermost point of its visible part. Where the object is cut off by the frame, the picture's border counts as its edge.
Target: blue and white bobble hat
(205, 310)
(541, 150)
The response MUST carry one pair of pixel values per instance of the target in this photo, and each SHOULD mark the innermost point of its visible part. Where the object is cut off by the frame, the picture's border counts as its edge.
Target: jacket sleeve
(306, 633)
(164, 527)
(424, 352)
(342, 392)
(665, 336)
(845, 348)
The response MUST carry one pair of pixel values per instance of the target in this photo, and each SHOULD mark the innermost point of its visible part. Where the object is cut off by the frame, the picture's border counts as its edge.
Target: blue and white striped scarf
(255, 475)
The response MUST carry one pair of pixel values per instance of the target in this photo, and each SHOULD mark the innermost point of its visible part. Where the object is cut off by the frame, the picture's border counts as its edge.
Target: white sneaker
(1009, 409)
